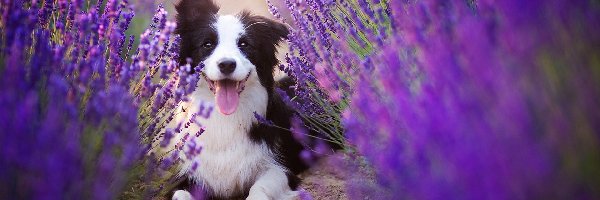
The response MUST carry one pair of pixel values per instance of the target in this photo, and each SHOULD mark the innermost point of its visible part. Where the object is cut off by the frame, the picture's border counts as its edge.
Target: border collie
(240, 156)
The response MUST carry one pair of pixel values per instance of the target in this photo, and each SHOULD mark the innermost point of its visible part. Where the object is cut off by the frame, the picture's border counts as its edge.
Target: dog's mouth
(227, 93)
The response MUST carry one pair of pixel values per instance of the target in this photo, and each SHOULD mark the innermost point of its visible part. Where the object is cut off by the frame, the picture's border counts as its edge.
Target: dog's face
(234, 49)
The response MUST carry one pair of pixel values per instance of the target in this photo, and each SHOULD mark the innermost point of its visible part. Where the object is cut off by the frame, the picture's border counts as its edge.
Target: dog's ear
(272, 30)
(278, 30)
(193, 12)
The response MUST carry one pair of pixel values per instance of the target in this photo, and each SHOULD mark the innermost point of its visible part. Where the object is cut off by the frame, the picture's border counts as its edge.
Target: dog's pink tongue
(227, 96)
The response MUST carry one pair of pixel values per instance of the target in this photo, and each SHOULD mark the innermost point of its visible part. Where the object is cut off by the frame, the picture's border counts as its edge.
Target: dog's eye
(242, 43)
(208, 45)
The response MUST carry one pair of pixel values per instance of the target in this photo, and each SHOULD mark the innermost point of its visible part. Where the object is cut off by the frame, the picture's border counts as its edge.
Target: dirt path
(325, 181)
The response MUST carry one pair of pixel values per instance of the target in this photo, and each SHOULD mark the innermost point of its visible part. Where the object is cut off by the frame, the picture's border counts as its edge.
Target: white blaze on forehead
(229, 29)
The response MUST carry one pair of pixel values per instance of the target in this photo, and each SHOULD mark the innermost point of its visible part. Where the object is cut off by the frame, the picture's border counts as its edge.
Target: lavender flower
(263, 120)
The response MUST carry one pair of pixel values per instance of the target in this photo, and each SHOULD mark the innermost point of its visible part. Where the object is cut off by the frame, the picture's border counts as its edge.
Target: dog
(241, 157)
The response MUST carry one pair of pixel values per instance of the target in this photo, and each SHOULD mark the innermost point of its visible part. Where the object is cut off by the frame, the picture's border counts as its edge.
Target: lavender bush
(330, 40)
(80, 106)
(456, 99)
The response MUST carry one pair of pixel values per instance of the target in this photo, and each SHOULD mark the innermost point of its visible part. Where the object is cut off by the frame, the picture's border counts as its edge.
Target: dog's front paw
(182, 195)
(257, 194)
(260, 195)
(291, 195)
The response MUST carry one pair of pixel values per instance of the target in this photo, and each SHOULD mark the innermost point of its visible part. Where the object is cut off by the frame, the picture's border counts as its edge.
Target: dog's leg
(273, 185)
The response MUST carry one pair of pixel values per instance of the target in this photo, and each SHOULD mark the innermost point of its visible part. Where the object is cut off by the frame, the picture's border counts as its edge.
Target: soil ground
(325, 181)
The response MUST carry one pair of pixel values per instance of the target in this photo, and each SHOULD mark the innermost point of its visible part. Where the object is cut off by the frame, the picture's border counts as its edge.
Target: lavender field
(430, 99)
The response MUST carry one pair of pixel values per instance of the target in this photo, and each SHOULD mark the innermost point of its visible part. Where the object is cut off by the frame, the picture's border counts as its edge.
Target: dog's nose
(227, 66)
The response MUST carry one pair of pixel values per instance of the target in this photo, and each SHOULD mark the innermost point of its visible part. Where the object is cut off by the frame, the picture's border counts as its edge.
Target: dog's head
(233, 48)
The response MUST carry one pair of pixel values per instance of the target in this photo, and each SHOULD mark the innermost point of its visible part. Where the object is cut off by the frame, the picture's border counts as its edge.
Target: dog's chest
(229, 161)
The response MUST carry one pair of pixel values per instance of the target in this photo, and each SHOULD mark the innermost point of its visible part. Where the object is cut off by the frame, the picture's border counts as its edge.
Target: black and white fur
(240, 156)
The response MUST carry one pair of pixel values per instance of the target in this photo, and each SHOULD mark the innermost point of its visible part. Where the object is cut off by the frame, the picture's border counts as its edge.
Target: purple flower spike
(263, 120)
